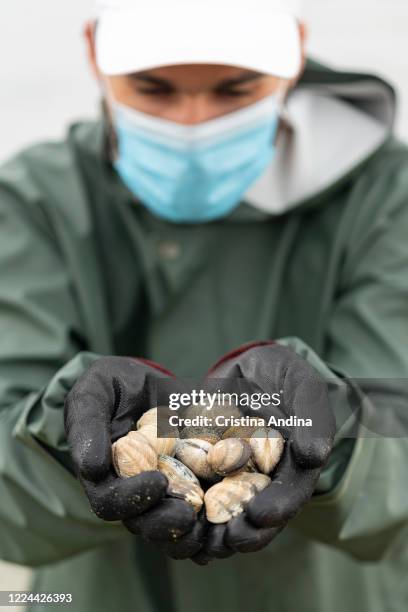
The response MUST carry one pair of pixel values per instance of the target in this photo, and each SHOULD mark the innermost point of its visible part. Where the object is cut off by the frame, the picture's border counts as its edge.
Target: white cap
(260, 35)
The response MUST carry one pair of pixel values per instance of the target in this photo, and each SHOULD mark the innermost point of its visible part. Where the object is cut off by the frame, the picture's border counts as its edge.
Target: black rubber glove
(150, 525)
(103, 406)
(271, 368)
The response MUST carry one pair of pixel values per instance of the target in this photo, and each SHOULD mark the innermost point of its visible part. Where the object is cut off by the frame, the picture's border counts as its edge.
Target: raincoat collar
(335, 121)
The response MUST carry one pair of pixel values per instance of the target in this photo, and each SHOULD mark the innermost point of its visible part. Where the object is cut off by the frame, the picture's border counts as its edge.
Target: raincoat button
(169, 250)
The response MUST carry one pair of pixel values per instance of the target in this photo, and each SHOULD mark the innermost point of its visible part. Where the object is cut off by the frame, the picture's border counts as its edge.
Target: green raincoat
(316, 255)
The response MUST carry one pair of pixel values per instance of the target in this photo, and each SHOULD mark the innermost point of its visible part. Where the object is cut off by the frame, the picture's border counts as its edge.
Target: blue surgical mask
(194, 173)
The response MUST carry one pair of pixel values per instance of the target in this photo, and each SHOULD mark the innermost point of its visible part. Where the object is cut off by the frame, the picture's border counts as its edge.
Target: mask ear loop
(285, 126)
(112, 145)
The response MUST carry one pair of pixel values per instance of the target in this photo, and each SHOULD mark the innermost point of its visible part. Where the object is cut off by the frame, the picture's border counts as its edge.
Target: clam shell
(173, 469)
(148, 418)
(155, 417)
(193, 453)
(241, 432)
(147, 425)
(132, 455)
(227, 499)
(230, 497)
(229, 455)
(162, 446)
(256, 480)
(229, 409)
(267, 447)
(209, 434)
(189, 491)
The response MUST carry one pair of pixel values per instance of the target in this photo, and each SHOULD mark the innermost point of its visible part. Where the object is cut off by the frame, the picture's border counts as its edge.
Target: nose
(193, 108)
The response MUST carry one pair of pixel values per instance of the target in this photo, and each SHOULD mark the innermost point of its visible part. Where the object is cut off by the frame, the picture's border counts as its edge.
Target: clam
(173, 469)
(229, 455)
(229, 498)
(258, 481)
(151, 416)
(195, 410)
(228, 411)
(183, 484)
(162, 446)
(267, 448)
(156, 417)
(193, 453)
(132, 455)
(149, 424)
(148, 418)
(189, 491)
(241, 432)
(208, 434)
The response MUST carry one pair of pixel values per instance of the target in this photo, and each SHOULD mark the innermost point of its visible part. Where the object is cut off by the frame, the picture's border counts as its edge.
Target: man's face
(189, 94)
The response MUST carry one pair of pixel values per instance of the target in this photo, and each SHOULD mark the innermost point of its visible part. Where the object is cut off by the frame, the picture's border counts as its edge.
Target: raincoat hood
(334, 122)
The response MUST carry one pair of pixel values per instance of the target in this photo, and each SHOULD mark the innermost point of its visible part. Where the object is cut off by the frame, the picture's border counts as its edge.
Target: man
(228, 196)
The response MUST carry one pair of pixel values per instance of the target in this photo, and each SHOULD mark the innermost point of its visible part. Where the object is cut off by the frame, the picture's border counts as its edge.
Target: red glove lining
(154, 365)
(236, 352)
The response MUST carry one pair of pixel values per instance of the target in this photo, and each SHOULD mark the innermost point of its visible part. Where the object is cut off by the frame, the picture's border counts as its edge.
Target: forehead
(198, 74)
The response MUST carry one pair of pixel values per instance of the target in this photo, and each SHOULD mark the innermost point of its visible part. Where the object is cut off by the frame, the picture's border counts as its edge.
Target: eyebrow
(242, 79)
(139, 76)
(245, 77)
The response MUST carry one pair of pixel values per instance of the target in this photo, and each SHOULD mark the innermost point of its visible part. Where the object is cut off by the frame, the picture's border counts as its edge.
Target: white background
(45, 82)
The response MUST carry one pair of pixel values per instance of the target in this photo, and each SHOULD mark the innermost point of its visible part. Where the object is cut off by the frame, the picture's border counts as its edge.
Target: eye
(154, 91)
(233, 93)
